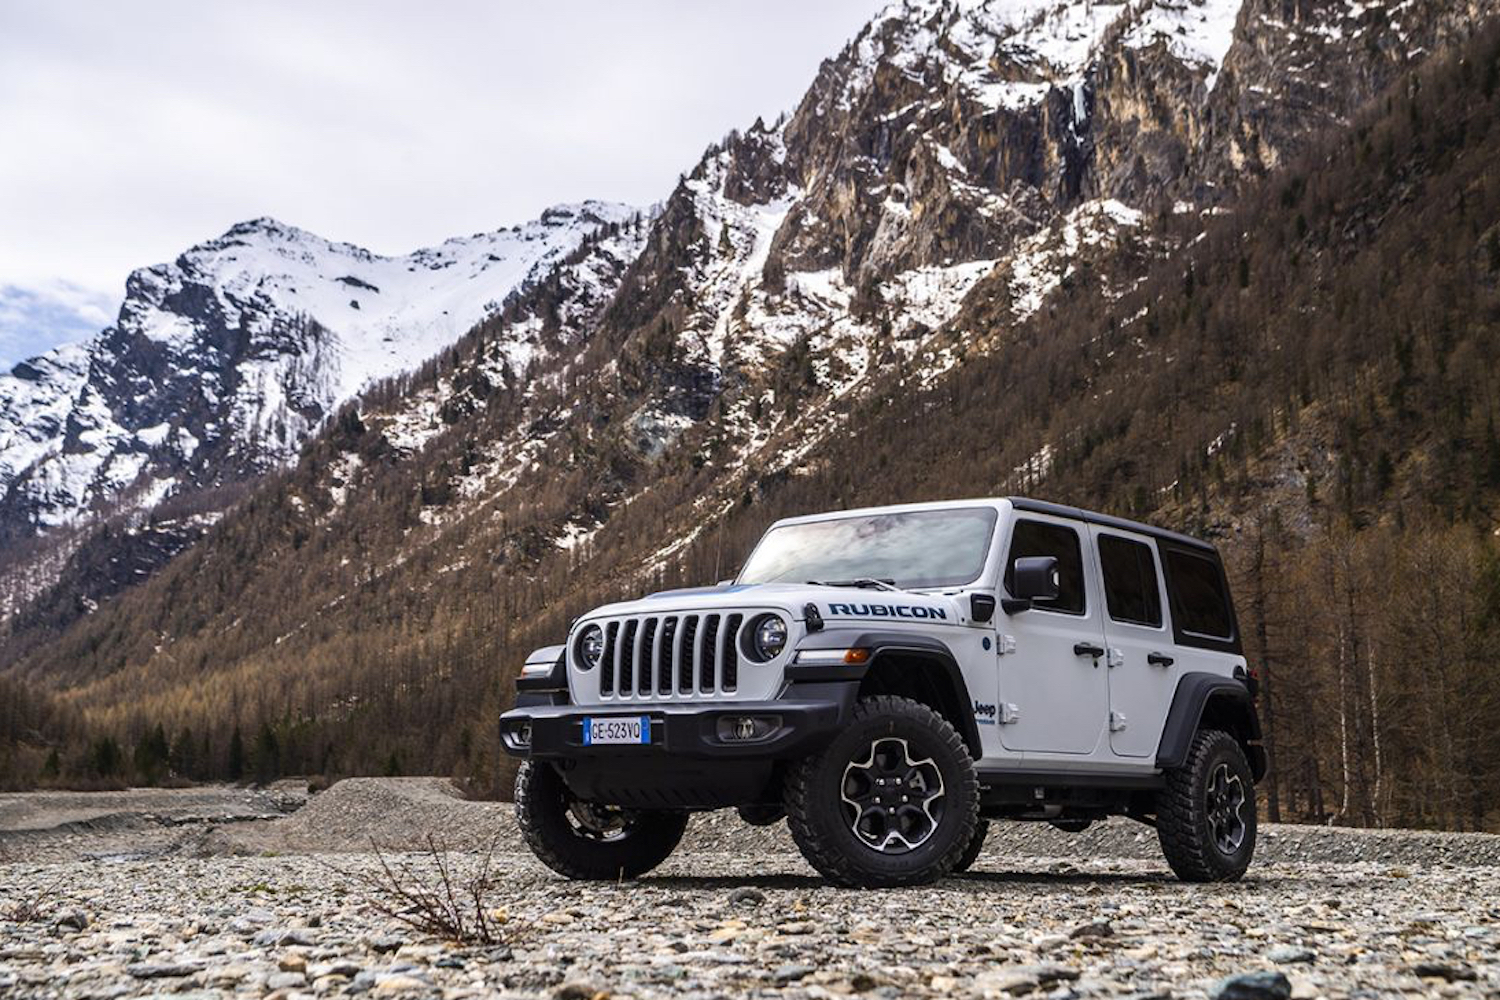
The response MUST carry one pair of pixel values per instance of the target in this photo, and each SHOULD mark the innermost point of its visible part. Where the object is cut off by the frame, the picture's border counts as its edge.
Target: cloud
(133, 131)
(36, 319)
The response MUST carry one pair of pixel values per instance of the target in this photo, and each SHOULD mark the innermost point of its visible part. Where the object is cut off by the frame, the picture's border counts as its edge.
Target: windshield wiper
(863, 583)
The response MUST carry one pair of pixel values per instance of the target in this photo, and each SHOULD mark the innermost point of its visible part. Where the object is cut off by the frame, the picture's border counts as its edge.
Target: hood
(835, 605)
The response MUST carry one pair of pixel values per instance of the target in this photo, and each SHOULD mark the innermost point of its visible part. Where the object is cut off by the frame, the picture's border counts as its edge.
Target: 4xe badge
(984, 713)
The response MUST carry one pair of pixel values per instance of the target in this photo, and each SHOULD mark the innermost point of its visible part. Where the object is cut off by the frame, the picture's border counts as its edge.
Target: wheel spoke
(893, 802)
(1224, 802)
(600, 822)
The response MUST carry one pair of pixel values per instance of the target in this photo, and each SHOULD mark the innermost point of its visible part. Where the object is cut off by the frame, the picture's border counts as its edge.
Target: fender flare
(556, 677)
(885, 645)
(1196, 690)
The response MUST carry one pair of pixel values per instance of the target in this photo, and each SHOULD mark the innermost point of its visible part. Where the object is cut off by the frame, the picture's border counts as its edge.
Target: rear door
(1143, 665)
(1054, 696)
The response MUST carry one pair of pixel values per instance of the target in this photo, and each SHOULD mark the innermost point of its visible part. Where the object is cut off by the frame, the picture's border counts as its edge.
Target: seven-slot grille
(670, 656)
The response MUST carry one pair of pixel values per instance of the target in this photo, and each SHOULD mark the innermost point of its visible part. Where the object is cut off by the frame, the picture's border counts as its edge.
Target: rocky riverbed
(736, 913)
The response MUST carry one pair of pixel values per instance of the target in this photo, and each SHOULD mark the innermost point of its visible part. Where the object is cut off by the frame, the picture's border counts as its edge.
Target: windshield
(925, 548)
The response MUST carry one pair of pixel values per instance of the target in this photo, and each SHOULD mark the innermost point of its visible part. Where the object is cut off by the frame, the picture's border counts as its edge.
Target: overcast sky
(130, 131)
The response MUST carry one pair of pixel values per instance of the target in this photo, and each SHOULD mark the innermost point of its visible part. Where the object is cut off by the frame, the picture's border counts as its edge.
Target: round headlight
(768, 638)
(590, 647)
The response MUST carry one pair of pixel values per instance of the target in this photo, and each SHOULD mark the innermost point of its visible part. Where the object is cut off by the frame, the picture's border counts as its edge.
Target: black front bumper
(806, 715)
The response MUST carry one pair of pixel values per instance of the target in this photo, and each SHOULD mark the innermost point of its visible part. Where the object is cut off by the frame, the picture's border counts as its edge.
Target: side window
(1130, 589)
(1200, 602)
(1037, 538)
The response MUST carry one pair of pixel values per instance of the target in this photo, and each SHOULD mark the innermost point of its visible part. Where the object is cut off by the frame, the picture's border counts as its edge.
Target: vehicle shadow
(972, 880)
(980, 879)
(786, 881)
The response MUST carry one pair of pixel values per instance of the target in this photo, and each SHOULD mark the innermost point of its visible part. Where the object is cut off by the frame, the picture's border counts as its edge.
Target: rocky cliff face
(963, 153)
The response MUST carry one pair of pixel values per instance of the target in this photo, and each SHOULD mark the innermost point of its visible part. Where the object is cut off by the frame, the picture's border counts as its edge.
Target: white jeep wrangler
(891, 679)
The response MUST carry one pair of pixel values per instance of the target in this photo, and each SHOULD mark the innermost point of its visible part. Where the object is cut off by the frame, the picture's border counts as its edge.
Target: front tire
(1205, 817)
(892, 801)
(585, 840)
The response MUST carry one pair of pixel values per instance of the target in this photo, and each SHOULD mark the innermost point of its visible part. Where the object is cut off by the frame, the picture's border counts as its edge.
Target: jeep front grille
(664, 657)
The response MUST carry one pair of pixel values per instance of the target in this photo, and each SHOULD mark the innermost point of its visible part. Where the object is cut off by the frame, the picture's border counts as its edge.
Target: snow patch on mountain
(1045, 260)
(1008, 55)
(1198, 32)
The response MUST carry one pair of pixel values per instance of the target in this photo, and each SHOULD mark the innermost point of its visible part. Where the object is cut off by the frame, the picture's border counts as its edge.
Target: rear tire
(892, 801)
(976, 846)
(1205, 817)
(585, 840)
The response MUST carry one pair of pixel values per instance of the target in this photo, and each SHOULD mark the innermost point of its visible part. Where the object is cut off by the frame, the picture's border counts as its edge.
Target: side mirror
(1034, 579)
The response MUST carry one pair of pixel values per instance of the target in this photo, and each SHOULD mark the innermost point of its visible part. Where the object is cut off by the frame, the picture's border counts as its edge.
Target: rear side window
(1130, 589)
(1200, 601)
(1038, 538)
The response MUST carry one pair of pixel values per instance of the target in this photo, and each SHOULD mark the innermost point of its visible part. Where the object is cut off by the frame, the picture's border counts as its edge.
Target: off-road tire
(976, 845)
(821, 826)
(543, 804)
(1183, 821)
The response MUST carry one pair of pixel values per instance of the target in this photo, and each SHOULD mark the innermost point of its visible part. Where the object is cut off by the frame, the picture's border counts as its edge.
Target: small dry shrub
(443, 904)
(32, 907)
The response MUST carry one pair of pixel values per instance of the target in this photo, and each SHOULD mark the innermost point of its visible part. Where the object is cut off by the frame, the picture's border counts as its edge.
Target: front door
(1054, 693)
(1143, 665)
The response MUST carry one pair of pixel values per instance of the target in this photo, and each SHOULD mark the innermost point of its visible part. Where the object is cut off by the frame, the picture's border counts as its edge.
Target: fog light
(520, 734)
(747, 728)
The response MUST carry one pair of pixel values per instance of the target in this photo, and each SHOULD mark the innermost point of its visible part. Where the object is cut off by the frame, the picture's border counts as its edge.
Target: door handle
(1159, 659)
(1087, 649)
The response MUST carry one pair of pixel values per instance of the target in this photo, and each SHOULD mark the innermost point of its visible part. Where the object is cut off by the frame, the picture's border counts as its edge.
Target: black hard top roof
(1109, 521)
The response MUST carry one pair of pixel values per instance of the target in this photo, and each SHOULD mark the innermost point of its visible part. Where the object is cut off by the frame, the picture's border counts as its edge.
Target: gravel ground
(737, 913)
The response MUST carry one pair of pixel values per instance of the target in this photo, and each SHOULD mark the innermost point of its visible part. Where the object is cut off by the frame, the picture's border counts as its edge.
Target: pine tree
(104, 761)
(151, 754)
(183, 758)
(267, 754)
(236, 755)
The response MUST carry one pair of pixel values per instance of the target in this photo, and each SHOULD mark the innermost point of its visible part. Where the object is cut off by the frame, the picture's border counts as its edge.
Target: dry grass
(437, 902)
(36, 906)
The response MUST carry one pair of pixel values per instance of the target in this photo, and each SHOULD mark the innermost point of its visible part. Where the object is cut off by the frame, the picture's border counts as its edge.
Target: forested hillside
(1306, 372)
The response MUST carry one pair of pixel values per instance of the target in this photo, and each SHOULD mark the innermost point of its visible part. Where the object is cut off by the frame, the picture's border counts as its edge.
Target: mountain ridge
(224, 360)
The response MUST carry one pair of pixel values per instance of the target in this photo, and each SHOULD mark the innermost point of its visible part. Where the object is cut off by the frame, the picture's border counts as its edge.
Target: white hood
(835, 605)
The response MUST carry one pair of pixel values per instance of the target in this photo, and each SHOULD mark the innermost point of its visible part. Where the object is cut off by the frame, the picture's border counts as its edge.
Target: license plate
(614, 730)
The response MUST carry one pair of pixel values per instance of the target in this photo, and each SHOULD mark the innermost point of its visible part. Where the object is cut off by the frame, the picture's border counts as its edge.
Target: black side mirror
(1034, 579)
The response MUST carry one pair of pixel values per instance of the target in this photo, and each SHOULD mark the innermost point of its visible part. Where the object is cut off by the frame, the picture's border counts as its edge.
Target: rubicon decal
(885, 611)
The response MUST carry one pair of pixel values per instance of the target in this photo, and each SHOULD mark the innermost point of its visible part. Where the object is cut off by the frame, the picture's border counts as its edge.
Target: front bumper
(807, 716)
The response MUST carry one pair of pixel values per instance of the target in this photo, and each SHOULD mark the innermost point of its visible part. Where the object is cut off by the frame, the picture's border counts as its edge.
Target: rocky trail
(227, 892)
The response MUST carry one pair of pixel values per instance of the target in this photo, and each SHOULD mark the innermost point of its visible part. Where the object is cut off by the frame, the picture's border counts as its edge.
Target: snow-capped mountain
(951, 178)
(967, 158)
(952, 169)
(238, 349)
